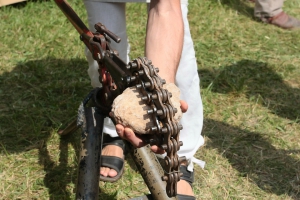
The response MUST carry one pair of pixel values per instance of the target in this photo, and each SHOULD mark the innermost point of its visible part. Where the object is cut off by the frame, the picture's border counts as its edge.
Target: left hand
(136, 140)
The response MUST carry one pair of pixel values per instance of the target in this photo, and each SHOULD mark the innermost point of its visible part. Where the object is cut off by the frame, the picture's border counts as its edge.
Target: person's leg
(112, 15)
(267, 8)
(187, 80)
(270, 11)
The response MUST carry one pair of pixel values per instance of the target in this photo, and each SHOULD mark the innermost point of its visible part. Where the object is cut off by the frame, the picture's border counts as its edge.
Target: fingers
(136, 140)
(120, 130)
(128, 134)
(157, 150)
(184, 106)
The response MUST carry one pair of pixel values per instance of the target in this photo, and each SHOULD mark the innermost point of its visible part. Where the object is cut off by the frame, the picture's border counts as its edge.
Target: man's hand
(137, 140)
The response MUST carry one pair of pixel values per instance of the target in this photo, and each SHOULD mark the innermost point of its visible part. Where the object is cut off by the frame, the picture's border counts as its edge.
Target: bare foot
(111, 150)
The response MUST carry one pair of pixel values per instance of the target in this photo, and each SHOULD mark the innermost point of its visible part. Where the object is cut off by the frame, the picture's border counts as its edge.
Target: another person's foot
(112, 159)
(283, 20)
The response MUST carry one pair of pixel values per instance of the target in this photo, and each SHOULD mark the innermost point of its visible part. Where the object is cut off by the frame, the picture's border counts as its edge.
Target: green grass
(249, 84)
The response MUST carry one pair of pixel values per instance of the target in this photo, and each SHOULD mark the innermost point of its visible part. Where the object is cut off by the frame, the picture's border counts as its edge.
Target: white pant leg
(187, 80)
(112, 15)
(267, 8)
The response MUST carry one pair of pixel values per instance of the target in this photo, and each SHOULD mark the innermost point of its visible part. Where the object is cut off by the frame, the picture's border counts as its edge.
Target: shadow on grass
(59, 176)
(36, 98)
(260, 84)
(273, 170)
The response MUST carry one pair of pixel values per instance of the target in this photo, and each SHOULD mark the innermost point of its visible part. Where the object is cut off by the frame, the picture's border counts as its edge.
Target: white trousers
(267, 8)
(112, 15)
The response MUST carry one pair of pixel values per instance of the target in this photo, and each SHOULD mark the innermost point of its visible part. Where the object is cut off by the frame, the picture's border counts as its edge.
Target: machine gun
(115, 76)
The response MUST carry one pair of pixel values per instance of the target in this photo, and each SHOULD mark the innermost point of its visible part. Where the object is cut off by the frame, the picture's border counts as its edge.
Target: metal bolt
(141, 72)
(164, 146)
(160, 112)
(154, 129)
(132, 78)
(133, 65)
(164, 130)
(150, 111)
(175, 110)
(138, 86)
(154, 96)
(182, 158)
(144, 98)
(180, 127)
(147, 84)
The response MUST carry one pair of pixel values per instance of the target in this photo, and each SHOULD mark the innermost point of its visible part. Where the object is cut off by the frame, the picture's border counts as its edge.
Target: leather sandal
(113, 162)
(188, 177)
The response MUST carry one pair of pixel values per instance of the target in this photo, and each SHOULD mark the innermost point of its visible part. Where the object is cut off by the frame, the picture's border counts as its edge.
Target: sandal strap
(187, 175)
(112, 162)
(117, 141)
(185, 197)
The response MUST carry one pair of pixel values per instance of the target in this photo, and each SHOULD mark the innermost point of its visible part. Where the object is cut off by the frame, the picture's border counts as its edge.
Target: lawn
(250, 88)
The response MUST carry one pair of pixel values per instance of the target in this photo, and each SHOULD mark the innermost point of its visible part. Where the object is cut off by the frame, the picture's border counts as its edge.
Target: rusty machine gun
(115, 76)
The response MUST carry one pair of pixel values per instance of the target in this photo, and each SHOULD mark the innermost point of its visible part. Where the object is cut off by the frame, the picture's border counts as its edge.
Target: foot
(283, 20)
(183, 187)
(111, 150)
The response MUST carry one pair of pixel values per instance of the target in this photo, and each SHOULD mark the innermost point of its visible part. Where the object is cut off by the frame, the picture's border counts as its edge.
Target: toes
(104, 171)
(112, 173)
(110, 150)
(107, 172)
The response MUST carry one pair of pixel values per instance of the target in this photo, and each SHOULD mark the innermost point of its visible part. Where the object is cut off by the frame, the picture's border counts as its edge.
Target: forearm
(164, 37)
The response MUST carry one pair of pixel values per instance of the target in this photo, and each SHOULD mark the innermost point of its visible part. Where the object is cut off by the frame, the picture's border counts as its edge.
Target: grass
(249, 84)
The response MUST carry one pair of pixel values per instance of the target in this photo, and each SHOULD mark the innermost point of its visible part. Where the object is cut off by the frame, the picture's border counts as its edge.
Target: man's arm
(164, 41)
(164, 37)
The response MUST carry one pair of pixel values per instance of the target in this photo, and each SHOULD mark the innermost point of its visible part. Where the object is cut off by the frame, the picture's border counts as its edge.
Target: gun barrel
(73, 18)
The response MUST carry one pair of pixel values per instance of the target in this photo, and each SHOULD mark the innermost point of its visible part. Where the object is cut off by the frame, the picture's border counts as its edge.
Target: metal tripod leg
(151, 171)
(91, 147)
